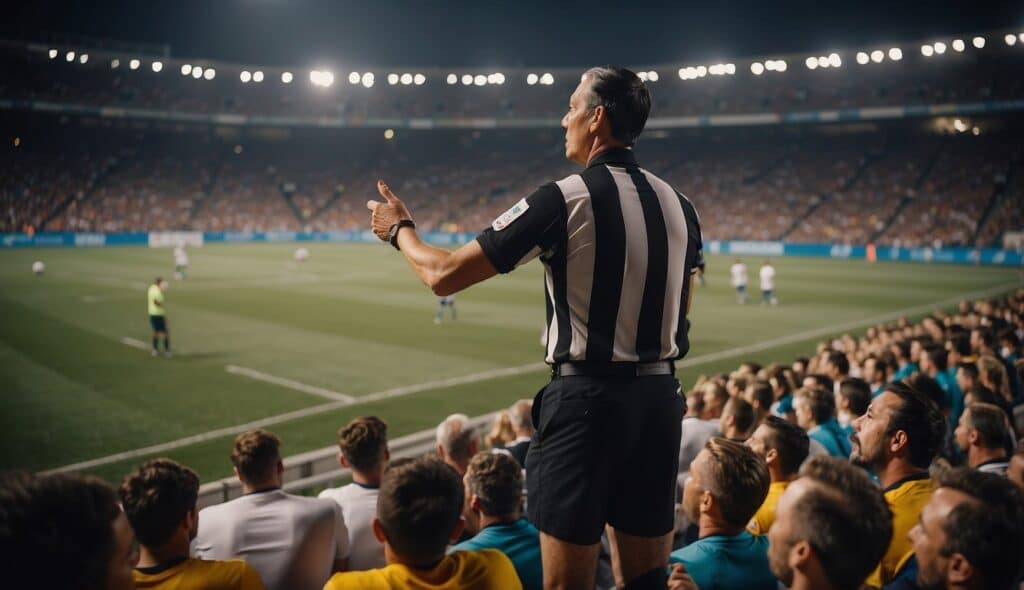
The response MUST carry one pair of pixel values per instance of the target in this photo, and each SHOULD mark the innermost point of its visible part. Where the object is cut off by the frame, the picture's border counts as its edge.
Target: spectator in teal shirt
(728, 482)
(816, 413)
(905, 368)
(494, 488)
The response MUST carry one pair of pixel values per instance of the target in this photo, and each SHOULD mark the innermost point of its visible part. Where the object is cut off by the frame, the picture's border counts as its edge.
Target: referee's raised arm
(620, 247)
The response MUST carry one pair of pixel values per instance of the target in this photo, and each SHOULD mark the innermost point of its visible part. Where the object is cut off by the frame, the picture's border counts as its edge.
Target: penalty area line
(289, 383)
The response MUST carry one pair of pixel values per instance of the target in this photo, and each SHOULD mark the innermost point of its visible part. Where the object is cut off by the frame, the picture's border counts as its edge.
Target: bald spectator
(831, 528)
(363, 446)
(783, 447)
(521, 413)
(983, 434)
(727, 484)
(494, 492)
(294, 542)
(971, 533)
(898, 437)
(816, 413)
(457, 442)
(737, 419)
(64, 531)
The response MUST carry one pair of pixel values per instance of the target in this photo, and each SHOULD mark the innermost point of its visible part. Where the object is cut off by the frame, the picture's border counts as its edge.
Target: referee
(619, 248)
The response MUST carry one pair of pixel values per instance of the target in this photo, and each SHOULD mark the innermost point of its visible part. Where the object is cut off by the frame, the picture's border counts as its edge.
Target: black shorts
(606, 450)
(158, 322)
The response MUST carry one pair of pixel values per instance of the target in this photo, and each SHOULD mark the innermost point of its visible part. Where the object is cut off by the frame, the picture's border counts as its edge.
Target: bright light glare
(406, 79)
(452, 79)
(895, 54)
(927, 50)
(257, 76)
(368, 80)
(157, 66)
(531, 79)
(653, 76)
(353, 78)
(84, 58)
(245, 76)
(197, 72)
(547, 79)
(862, 58)
(958, 45)
(392, 79)
(701, 71)
(134, 64)
(420, 79)
(480, 79)
(834, 60)
(877, 56)
(978, 42)
(467, 79)
(757, 68)
(70, 56)
(53, 53)
(940, 47)
(209, 73)
(186, 69)
(286, 77)
(115, 63)
(811, 62)
(389, 134)
(322, 78)
(823, 62)
(1010, 39)
(780, 66)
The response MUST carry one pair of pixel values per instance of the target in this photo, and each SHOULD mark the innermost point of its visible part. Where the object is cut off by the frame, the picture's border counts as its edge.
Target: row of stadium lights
(325, 78)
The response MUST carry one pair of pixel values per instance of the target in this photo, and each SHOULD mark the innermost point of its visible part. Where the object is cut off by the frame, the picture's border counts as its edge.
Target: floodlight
(70, 56)
(877, 56)
(976, 131)
(531, 78)
(245, 76)
(480, 79)
(927, 50)
(834, 60)
(895, 54)
(499, 77)
(208, 73)
(467, 79)
(257, 76)
(134, 64)
(780, 65)
(392, 79)
(186, 69)
(547, 79)
(653, 76)
(368, 79)
(197, 72)
(157, 66)
(642, 76)
(1010, 39)
(862, 58)
(406, 79)
(811, 62)
(757, 68)
(978, 42)
(353, 78)
(940, 47)
(84, 58)
(53, 53)
(115, 63)
(823, 62)
(389, 134)
(286, 77)
(958, 45)
(701, 71)
(452, 79)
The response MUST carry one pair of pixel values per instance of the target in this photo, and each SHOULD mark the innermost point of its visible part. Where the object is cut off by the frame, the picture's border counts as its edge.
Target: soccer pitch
(302, 348)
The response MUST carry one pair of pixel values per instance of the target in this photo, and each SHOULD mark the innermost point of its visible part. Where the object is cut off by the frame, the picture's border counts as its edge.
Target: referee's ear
(599, 122)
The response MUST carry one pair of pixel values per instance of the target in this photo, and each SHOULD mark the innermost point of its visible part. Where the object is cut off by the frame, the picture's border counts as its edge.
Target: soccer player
(180, 261)
(443, 302)
(739, 280)
(158, 316)
(768, 284)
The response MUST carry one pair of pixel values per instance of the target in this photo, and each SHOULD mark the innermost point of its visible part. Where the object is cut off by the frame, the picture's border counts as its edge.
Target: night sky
(493, 33)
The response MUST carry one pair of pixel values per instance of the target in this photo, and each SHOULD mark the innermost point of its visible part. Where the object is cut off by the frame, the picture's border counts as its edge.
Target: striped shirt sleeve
(530, 227)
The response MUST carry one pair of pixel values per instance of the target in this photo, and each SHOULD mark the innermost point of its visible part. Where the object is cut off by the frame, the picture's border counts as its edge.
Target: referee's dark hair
(921, 419)
(845, 518)
(988, 529)
(625, 99)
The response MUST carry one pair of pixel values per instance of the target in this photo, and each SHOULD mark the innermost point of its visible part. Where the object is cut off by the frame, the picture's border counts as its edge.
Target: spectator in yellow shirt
(898, 437)
(419, 512)
(159, 499)
(783, 446)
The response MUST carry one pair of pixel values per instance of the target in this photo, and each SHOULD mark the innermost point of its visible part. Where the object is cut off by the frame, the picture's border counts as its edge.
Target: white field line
(487, 375)
(290, 384)
(135, 343)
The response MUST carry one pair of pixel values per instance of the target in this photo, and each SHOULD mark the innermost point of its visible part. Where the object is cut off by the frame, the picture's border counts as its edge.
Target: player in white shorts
(768, 284)
(739, 280)
(180, 262)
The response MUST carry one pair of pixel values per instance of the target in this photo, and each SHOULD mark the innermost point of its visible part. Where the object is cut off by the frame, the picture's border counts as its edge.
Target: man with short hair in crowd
(816, 413)
(971, 533)
(521, 414)
(159, 499)
(983, 434)
(904, 367)
(715, 396)
(418, 514)
(837, 367)
(457, 442)
(831, 528)
(494, 491)
(63, 531)
(875, 372)
(852, 400)
(727, 484)
(783, 447)
(760, 396)
(696, 433)
(294, 542)
(737, 419)
(363, 445)
(898, 437)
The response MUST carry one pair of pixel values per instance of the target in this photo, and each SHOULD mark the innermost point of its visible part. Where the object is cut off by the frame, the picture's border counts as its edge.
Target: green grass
(352, 319)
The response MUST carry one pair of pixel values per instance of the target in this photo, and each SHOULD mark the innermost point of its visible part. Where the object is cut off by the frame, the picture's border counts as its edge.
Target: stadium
(217, 162)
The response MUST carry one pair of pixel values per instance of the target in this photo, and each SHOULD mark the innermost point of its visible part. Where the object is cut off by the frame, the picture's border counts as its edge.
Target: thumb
(385, 192)
(372, 205)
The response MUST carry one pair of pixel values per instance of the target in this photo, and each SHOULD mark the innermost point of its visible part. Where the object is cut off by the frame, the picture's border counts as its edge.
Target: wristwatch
(393, 231)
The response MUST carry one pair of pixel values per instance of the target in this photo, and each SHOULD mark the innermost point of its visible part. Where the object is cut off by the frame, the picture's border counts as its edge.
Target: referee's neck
(602, 145)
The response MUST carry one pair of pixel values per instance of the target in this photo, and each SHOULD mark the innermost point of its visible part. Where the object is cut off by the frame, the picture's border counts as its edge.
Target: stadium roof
(482, 34)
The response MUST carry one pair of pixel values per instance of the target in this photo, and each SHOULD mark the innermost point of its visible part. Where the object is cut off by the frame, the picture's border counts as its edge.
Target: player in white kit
(180, 262)
(739, 280)
(768, 284)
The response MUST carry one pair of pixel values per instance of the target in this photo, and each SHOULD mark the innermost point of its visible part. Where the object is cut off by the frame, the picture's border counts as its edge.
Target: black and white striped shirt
(619, 246)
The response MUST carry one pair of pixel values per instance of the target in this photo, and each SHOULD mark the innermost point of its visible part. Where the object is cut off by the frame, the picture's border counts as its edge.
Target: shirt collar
(909, 478)
(615, 155)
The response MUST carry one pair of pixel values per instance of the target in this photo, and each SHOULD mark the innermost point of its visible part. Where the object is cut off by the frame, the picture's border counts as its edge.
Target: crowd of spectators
(889, 460)
(954, 77)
